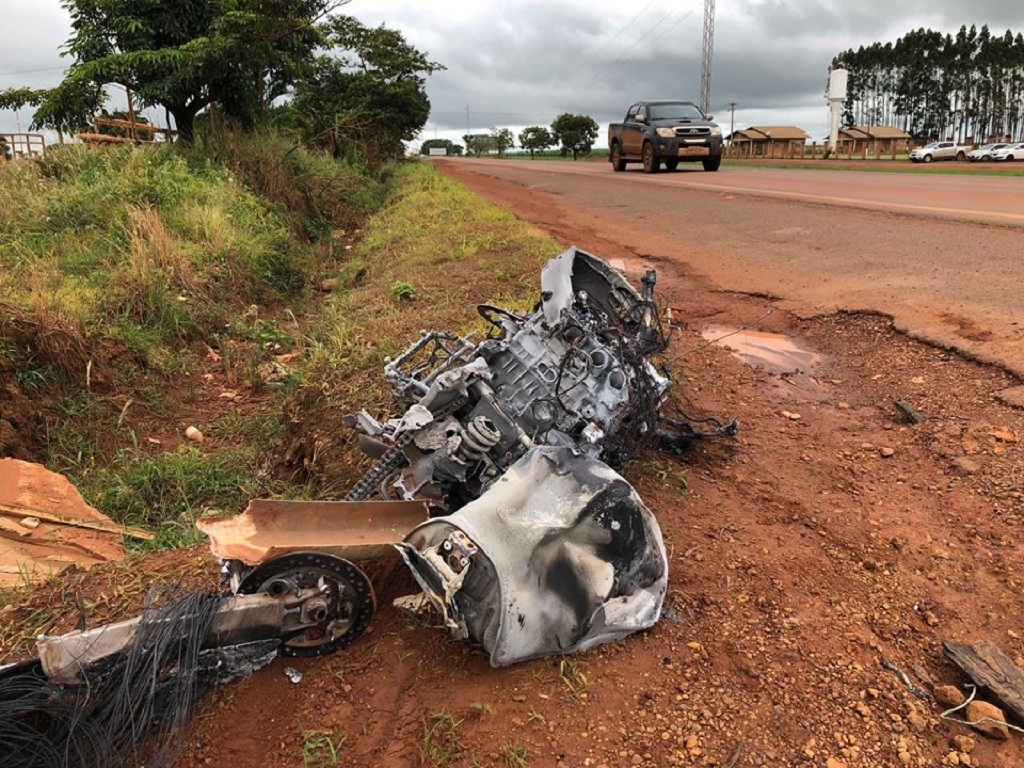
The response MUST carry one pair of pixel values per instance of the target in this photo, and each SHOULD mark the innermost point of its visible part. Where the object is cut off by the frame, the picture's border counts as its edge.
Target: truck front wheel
(712, 163)
(651, 163)
(618, 164)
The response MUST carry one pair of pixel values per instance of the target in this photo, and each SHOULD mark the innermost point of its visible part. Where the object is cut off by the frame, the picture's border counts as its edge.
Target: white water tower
(836, 98)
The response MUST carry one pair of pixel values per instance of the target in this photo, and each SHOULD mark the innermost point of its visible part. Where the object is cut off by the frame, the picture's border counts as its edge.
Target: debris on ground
(558, 556)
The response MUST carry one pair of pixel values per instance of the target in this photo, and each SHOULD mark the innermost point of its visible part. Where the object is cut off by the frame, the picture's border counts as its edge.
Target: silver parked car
(983, 154)
(1009, 152)
(938, 150)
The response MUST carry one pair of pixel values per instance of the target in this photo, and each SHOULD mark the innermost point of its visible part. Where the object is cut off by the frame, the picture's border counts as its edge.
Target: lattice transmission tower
(705, 64)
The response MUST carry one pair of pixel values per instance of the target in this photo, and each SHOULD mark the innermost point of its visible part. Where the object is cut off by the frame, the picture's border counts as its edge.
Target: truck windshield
(680, 110)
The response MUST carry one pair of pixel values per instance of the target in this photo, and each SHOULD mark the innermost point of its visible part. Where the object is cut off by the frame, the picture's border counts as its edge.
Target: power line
(32, 71)
(617, 35)
(667, 31)
(618, 59)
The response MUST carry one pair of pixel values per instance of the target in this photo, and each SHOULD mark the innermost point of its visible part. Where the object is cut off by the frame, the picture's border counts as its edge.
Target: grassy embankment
(137, 284)
(123, 274)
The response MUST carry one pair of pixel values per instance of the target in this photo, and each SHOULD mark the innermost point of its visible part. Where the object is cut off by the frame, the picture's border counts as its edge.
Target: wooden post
(131, 114)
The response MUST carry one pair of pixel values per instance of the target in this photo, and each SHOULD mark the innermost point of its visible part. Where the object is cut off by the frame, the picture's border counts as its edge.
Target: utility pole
(732, 120)
(467, 119)
(705, 64)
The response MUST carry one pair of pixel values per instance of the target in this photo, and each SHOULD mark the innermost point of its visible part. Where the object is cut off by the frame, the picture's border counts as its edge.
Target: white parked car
(984, 154)
(1009, 152)
(939, 150)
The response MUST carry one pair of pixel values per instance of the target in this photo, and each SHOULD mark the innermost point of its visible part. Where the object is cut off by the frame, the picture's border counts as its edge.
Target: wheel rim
(348, 606)
(616, 154)
(648, 157)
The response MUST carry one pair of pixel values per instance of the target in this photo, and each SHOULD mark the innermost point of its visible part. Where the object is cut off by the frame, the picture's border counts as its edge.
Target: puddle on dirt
(771, 352)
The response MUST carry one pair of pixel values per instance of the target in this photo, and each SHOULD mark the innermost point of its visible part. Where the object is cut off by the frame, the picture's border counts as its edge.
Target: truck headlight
(666, 133)
(716, 131)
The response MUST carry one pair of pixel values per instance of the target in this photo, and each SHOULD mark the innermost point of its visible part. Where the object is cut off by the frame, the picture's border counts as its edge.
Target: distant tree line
(573, 134)
(965, 87)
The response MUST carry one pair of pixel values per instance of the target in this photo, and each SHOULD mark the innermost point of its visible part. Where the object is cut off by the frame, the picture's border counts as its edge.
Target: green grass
(441, 745)
(166, 492)
(120, 266)
(322, 748)
(570, 672)
(454, 251)
(139, 245)
(312, 192)
(515, 755)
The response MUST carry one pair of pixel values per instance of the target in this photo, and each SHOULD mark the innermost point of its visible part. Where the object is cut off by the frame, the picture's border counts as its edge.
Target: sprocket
(331, 601)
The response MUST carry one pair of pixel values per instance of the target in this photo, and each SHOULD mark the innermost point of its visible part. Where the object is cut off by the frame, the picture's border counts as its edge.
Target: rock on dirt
(988, 719)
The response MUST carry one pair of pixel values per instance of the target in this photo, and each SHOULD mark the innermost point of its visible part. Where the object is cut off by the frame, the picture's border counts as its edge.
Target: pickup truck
(939, 150)
(669, 132)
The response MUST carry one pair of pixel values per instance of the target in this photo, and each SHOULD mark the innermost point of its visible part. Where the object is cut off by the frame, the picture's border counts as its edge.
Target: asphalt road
(992, 199)
(941, 254)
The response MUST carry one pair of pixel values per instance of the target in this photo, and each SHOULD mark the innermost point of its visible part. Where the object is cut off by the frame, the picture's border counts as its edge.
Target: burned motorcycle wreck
(536, 546)
(495, 482)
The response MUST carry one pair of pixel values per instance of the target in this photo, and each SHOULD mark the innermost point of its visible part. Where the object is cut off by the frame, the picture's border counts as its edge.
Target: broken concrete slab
(46, 526)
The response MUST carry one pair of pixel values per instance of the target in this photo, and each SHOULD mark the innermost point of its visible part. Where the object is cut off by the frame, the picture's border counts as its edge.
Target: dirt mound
(18, 416)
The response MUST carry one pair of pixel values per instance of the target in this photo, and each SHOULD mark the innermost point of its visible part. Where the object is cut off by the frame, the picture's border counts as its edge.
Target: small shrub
(402, 291)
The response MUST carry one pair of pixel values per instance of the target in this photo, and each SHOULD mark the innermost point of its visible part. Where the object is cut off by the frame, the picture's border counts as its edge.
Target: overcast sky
(520, 62)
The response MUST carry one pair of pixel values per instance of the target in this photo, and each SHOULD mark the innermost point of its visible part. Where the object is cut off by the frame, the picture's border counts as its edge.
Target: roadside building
(873, 139)
(768, 141)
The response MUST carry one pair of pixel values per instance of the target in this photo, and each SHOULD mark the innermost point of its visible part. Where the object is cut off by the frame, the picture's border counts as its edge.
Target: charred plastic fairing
(560, 554)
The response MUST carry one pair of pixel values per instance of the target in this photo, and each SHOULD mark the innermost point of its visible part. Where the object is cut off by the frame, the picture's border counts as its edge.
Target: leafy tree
(535, 138)
(575, 133)
(182, 54)
(67, 114)
(503, 140)
(373, 93)
(479, 143)
(446, 144)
